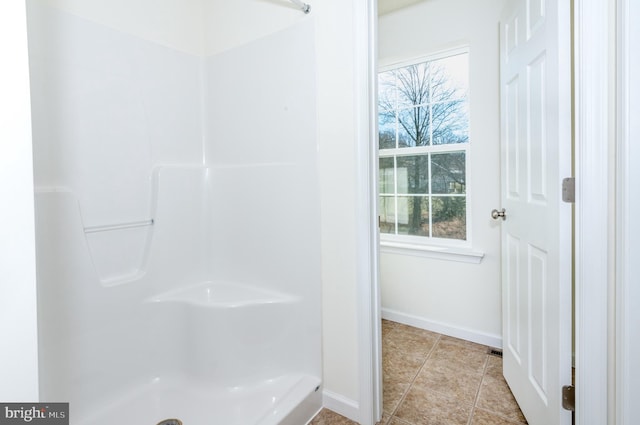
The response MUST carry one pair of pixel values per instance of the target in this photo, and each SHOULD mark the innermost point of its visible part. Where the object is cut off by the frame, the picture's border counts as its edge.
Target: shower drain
(170, 422)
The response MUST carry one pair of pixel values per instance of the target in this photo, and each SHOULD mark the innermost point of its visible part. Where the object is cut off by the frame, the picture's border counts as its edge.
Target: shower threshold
(282, 400)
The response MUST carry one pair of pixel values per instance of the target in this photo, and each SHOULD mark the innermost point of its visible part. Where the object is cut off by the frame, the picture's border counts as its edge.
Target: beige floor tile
(471, 362)
(495, 396)
(412, 341)
(328, 417)
(385, 420)
(467, 344)
(392, 392)
(494, 367)
(396, 421)
(449, 380)
(387, 326)
(402, 366)
(421, 407)
(482, 417)
(465, 356)
(432, 379)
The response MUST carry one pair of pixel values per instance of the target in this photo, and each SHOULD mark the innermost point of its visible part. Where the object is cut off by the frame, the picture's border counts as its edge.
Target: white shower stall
(177, 224)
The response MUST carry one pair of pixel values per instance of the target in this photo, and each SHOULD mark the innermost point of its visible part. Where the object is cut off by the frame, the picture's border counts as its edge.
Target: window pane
(448, 173)
(449, 217)
(387, 93)
(387, 211)
(385, 176)
(386, 130)
(413, 127)
(413, 174)
(451, 77)
(413, 215)
(412, 83)
(450, 122)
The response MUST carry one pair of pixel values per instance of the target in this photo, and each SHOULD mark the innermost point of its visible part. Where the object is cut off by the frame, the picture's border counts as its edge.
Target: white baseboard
(443, 328)
(340, 404)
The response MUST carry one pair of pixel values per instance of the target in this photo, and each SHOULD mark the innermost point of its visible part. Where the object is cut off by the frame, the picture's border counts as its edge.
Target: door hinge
(569, 189)
(569, 398)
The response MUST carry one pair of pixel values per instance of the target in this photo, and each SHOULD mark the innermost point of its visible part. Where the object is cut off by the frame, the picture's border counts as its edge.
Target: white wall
(457, 298)
(18, 322)
(337, 138)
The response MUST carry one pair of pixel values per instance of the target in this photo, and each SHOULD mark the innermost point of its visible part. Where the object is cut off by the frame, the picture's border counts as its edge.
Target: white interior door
(535, 84)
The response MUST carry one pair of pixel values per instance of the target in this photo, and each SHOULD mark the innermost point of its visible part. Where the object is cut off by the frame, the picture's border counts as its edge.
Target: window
(423, 115)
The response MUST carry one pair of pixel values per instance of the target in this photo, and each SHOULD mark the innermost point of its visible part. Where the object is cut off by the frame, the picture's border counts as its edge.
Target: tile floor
(433, 379)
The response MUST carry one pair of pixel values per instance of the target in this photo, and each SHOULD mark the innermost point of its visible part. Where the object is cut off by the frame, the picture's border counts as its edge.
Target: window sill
(442, 253)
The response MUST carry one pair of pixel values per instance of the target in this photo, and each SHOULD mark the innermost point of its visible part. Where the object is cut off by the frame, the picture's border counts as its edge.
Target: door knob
(495, 214)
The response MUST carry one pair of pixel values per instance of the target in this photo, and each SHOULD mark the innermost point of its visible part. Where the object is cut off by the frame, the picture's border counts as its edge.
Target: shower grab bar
(118, 226)
(303, 6)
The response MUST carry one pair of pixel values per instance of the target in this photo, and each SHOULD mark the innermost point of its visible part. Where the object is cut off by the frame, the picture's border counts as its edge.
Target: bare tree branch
(422, 107)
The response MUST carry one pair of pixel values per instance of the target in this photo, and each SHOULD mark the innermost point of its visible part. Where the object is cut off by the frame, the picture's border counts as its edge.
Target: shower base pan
(286, 400)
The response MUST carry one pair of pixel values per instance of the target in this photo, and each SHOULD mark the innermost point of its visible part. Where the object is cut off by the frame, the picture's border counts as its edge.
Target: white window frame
(444, 248)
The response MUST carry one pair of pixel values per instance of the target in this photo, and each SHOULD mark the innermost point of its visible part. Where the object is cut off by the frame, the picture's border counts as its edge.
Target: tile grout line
(477, 397)
(484, 377)
(404, 395)
(422, 367)
(484, 409)
(438, 392)
(393, 412)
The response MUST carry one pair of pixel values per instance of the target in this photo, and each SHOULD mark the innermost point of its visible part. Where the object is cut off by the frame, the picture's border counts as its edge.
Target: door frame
(593, 243)
(367, 285)
(593, 254)
(627, 230)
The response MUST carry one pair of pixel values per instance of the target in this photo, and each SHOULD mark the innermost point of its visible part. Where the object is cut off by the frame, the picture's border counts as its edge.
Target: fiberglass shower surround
(170, 286)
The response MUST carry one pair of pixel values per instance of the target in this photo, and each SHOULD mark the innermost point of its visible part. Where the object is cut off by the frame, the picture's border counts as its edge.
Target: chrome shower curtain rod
(303, 6)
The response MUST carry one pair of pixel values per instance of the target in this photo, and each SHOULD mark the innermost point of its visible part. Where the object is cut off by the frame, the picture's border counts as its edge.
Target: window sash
(429, 239)
(416, 150)
(398, 151)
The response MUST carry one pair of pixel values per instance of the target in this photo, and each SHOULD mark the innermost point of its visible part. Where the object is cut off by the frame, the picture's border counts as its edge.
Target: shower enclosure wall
(178, 242)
